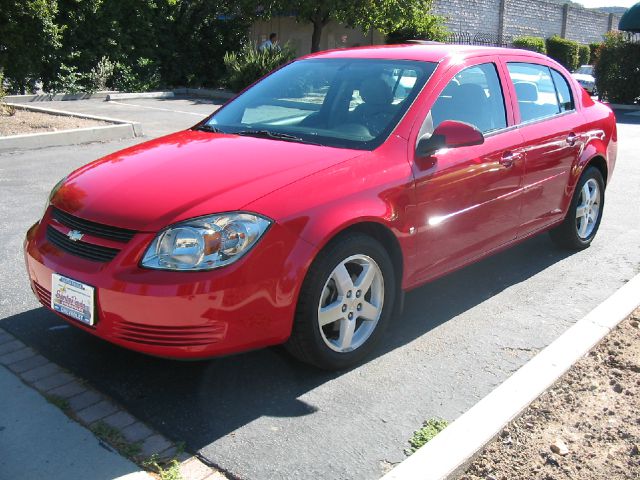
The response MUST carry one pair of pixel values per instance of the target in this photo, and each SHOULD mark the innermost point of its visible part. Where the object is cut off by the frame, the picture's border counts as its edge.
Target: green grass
(166, 470)
(114, 438)
(59, 402)
(430, 429)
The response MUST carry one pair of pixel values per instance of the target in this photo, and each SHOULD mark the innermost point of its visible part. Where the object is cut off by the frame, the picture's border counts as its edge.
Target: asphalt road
(262, 415)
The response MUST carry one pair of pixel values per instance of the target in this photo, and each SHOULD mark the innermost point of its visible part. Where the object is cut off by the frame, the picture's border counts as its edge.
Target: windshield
(585, 70)
(350, 103)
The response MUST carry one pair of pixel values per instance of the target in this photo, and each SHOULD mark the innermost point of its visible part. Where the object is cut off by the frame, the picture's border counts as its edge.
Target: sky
(606, 3)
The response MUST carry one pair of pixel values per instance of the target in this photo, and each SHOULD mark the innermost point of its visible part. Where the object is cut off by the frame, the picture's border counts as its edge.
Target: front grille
(43, 294)
(183, 336)
(89, 251)
(92, 228)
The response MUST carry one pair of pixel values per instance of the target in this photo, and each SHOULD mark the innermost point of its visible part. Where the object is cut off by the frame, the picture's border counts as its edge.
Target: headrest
(376, 91)
(526, 91)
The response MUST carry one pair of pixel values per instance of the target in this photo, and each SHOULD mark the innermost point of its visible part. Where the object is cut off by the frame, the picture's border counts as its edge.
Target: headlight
(205, 243)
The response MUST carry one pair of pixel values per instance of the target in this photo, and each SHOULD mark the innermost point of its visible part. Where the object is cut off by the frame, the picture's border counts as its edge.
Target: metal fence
(480, 38)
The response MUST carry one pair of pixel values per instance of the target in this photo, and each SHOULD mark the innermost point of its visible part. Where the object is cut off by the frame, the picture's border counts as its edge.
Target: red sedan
(300, 211)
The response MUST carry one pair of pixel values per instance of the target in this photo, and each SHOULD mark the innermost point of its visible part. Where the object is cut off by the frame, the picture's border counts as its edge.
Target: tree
(386, 16)
(28, 36)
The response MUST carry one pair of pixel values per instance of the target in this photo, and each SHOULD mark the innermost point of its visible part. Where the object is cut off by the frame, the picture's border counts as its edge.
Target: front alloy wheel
(351, 303)
(345, 303)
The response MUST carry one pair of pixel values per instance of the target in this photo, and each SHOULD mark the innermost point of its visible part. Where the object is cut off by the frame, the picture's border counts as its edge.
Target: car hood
(188, 174)
(583, 77)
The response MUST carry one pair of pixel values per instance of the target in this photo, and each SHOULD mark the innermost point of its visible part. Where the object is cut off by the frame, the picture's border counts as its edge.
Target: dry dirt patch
(24, 121)
(586, 427)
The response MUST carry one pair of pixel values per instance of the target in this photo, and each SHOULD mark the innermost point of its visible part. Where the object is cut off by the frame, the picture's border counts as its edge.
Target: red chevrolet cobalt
(301, 211)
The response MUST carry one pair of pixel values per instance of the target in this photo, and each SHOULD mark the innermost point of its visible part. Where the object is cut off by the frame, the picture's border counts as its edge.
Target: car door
(468, 198)
(550, 127)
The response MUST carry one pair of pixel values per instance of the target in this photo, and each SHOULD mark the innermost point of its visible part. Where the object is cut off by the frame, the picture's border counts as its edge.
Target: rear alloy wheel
(583, 219)
(345, 303)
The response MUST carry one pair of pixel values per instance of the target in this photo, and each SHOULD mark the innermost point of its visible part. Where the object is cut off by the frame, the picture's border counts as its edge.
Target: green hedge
(584, 54)
(594, 51)
(250, 64)
(566, 52)
(617, 70)
(535, 44)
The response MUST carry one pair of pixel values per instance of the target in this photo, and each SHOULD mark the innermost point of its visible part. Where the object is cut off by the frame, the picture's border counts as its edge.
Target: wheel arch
(382, 234)
(600, 163)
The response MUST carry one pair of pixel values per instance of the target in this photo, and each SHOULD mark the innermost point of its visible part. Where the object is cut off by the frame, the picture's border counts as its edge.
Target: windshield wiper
(275, 135)
(208, 128)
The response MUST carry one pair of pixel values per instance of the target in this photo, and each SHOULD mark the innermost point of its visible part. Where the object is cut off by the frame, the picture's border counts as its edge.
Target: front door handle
(509, 158)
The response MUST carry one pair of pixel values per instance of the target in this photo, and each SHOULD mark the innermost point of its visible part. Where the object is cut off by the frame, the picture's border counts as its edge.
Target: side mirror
(449, 134)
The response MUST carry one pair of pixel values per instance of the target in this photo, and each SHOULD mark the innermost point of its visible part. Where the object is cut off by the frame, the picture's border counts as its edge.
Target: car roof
(425, 53)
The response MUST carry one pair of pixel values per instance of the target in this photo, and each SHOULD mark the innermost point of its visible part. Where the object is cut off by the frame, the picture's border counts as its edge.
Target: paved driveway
(262, 415)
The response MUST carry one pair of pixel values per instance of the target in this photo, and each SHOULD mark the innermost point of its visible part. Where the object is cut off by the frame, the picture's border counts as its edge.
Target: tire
(588, 199)
(353, 319)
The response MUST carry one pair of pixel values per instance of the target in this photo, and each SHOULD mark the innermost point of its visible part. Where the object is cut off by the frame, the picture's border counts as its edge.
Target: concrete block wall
(587, 26)
(469, 15)
(533, 18)
(539, 18)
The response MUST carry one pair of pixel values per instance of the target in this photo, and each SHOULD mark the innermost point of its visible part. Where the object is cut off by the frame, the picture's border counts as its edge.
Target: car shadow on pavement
(200, 402)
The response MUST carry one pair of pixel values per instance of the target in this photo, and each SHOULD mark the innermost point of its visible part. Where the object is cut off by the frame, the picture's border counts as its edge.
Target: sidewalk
(38, 441)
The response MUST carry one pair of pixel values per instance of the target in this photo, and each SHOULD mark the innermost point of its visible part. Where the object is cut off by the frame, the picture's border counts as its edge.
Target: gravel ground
(23, 122)
(587, 426)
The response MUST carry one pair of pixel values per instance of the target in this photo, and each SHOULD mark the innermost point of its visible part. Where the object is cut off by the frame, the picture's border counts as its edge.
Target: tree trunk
(316, 35)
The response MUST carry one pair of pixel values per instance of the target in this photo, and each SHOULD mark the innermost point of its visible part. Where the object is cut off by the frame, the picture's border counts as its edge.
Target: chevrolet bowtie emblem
(75, 235)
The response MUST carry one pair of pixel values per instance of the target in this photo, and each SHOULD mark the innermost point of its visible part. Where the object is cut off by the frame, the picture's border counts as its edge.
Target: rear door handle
(509, 158)
(572, 138)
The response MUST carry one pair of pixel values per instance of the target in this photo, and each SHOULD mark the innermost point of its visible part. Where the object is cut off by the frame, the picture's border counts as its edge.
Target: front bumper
(246, 305)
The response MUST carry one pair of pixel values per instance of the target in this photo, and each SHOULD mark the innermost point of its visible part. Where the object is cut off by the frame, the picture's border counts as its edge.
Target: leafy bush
(101, 74)
(143, 77)
(249, 64)
(584, 53)
(68, 80)
(617, 70)
(420, 26)
(4, 108)
(535, 44)
(565, 52)
(594, 52)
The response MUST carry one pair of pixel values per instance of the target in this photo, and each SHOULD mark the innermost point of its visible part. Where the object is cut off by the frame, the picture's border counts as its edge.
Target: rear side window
(473, 96)
(564, 92)
(535, 91)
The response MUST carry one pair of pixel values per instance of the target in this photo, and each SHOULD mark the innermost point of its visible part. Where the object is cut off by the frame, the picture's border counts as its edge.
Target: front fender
(375, 188)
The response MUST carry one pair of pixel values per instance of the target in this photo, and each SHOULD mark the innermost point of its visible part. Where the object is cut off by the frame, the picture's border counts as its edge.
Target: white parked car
(584, 76)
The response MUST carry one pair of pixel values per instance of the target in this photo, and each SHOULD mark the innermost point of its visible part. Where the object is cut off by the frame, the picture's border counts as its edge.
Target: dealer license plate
(72, 298)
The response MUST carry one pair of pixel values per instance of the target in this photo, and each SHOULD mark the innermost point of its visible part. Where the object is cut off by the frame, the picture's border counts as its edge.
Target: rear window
(541, 91)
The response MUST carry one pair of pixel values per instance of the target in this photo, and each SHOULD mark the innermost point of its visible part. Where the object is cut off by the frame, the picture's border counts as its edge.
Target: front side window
(473, 96)
(536, 92)
(352, 103)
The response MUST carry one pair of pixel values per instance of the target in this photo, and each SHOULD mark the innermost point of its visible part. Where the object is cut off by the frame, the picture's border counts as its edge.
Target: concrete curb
(206, 93)
(451, 450)
(48, 97)
(129, 96)
(119, 130)
(94, 410)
